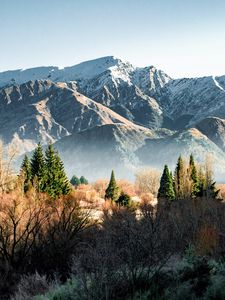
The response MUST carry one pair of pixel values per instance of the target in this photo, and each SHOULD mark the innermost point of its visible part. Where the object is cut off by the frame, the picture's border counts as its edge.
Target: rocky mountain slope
(107, 110)
(190, 100)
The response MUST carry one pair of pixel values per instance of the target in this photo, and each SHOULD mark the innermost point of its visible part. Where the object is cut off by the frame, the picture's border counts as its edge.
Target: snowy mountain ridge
(82, 71)
(141, 113)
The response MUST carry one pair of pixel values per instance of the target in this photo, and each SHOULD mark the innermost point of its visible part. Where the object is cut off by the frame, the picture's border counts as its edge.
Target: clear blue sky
(182, 37)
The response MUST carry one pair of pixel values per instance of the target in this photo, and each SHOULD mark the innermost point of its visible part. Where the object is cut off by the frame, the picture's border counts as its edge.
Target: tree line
(121, 254)
(45, 172)
(189, 180)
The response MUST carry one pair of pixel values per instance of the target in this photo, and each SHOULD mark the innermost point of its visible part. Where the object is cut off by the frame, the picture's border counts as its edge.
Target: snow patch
(217, 84)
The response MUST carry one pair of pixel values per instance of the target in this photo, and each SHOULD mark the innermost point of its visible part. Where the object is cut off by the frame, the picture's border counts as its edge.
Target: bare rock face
(45, 111)
(107, 110)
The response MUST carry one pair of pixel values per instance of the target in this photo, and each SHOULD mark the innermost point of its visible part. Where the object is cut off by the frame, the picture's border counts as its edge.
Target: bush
(75, 181)
(30, 286)
(123, 200)
(69, 291)
(58, 240)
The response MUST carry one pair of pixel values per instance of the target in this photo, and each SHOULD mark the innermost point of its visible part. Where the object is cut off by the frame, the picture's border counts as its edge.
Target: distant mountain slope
(107, 112)
(45, 111)
(119, 85)
(189, 100)
(157, 152)
(214, 129)
(95, 152)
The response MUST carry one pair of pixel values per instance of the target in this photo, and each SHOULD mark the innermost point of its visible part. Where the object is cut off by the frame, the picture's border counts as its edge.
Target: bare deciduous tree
(7, 176)
(147, 181)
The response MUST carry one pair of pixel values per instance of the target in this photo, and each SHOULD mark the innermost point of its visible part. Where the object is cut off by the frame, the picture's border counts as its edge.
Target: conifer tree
(83, 180)
(112, 191)
(194, 177)
(202, 182)
(63, 182)
(25, 171)
(37, 165)
(75, 181)
(206, 185)
(55, 181)
(166, 189)
(179, 176)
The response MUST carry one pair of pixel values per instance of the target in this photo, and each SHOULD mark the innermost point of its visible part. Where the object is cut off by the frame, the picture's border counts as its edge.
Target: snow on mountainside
(107, 99)
(82, 71)
(119, 85)
(193, 99)
(45, 111)
(88, 70)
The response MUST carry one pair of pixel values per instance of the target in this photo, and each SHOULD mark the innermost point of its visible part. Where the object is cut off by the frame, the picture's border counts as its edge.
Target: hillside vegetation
(161, 237)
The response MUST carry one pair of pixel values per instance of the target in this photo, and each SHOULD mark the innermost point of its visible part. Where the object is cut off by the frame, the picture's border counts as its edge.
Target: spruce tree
(83, 180)
(75, 181)
(55, 181)
(25, 171)
(63, 182)
(37, 165)
(179, 178)
(194, 177)
(112, 191)
(166, 189)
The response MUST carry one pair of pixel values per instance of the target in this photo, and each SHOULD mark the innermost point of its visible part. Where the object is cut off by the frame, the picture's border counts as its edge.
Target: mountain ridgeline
(108, 114)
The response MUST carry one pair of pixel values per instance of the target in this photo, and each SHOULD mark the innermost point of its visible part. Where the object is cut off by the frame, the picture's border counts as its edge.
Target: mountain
(110, 81)
(157, 152)
(44, 111)
(107, 110)
(189, 100)
(102, 148)
(214, 129)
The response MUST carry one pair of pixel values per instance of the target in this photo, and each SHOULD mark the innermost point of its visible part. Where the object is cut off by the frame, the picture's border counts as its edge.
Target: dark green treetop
(83, 180)
(123, 200)
(25, 171)
(166, 189)
(112, 191)
(194, 177)
(75, 181)
(37, 163)
(55, 181)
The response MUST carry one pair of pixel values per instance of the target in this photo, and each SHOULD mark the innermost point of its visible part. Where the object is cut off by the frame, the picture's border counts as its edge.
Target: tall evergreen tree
(166, 189)
(25, 171)
(37, 165)
(64, 184)
(55, 181)
(202, 182)
(112, 191)
(179, 178)
(194, 177)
